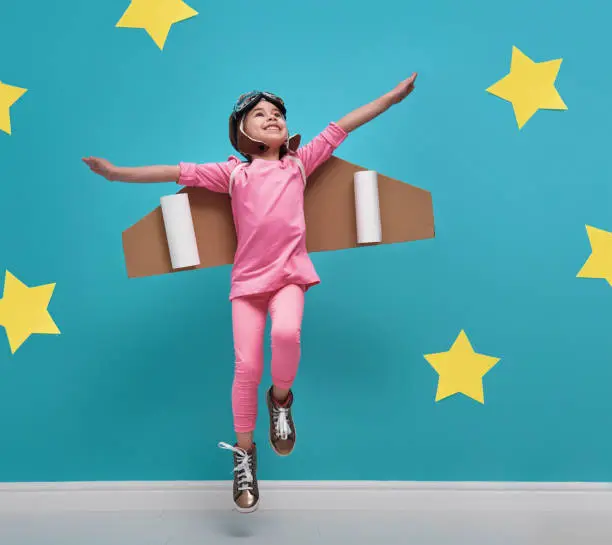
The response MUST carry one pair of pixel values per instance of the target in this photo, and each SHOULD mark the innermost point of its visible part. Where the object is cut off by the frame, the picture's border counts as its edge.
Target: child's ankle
(247, 447)
(281, 399)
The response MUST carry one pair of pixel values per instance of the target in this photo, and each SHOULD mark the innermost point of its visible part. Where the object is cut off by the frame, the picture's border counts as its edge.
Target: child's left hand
(403, 89)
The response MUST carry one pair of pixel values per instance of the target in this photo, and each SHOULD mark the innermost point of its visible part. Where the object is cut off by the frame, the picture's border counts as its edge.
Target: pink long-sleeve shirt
(268, 209)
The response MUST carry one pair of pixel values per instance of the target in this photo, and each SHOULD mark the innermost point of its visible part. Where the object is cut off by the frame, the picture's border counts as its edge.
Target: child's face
(265, 123)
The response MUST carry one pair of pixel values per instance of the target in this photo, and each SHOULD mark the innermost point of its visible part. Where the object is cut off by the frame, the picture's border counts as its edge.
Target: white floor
(287, 527)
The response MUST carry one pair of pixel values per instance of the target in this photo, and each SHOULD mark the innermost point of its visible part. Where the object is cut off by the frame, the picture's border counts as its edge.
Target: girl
(272, 269)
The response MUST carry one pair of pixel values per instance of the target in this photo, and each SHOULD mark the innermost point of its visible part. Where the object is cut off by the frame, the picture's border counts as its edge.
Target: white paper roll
(367, 207)
(180, 232)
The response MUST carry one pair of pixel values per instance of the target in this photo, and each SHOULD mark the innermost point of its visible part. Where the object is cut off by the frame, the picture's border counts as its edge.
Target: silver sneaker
(282, 428)
(246, 490)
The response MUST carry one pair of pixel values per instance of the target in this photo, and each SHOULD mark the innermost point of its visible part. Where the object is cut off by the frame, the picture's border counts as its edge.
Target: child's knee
(286, 335)
(247, 373)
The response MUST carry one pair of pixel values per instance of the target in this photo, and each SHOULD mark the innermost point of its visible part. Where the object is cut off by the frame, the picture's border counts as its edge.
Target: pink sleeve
(321, 147)
(212, 176)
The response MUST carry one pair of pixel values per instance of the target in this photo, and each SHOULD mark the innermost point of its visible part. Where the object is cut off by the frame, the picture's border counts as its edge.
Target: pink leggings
(249, 313)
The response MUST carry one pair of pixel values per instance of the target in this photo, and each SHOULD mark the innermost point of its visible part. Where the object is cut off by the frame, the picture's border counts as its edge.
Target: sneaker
(246, 490)
(282, 428)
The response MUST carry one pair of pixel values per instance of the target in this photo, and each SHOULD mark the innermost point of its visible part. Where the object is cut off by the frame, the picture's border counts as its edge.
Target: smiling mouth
(272, 128)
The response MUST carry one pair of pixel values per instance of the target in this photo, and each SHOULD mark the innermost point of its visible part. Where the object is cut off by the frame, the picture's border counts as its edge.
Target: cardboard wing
(406, 214)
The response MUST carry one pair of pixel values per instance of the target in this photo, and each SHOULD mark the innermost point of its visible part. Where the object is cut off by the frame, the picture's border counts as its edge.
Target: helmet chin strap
(254, 146)
(250, 146)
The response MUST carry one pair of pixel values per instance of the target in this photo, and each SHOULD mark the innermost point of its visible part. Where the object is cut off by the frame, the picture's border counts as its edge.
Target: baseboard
(305, 495)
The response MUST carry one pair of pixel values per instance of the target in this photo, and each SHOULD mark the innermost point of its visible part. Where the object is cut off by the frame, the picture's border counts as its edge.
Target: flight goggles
(252, 97)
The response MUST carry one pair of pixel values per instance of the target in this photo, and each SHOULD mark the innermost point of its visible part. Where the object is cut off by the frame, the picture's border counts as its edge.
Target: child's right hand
(101, 166)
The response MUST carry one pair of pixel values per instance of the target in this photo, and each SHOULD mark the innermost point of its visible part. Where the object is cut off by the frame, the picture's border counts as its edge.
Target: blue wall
(137, 385)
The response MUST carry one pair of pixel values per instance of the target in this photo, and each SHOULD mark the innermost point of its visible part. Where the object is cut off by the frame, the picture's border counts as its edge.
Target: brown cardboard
(329, 206)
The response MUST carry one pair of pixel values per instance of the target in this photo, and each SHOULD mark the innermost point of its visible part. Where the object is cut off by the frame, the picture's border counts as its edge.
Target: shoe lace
(281, 422)
(243, 466)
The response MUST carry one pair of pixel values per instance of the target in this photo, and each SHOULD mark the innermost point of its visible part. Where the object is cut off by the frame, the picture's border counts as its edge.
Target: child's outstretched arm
(150, 174)
(366, 113)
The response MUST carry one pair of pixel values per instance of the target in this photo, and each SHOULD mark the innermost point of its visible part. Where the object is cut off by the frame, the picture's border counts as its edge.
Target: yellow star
(530, 86)
(599, 263)
(8, 96)
(156, 17)
(461, 370)
(23, 311)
